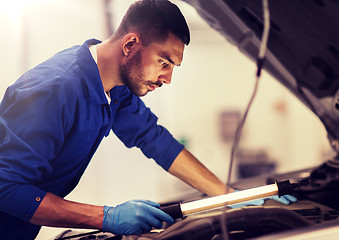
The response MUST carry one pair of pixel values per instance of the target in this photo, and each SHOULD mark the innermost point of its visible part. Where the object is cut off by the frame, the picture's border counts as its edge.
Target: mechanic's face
(152, 66)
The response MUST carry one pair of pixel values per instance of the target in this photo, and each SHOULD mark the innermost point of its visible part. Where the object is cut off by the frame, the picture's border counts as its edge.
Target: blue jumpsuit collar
(92, 76)
(91, 73)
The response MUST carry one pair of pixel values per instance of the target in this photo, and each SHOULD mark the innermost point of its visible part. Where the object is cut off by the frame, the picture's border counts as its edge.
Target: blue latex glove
(285, 199)
(134, 217)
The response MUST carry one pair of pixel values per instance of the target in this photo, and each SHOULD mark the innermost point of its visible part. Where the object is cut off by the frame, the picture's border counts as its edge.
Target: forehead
(172, 48)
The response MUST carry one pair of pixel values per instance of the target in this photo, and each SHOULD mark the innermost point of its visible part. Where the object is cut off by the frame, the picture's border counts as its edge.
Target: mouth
(153, 86)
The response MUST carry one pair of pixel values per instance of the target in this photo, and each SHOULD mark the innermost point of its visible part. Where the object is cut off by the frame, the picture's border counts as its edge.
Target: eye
(163, 63)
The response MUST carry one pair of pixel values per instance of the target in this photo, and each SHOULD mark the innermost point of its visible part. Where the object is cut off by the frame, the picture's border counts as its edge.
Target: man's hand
(134, 217)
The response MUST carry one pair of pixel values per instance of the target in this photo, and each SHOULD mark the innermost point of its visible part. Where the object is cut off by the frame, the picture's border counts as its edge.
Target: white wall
(214, 76)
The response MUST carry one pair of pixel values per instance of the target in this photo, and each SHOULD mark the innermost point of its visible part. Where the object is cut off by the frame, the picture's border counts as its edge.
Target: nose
(166, 77)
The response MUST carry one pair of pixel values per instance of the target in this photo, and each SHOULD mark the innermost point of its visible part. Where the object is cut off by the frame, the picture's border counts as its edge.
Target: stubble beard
(132, 75)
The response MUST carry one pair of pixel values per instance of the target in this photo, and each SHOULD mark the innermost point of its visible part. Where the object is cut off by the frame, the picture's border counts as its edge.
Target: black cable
(260, 63)
(78, 235)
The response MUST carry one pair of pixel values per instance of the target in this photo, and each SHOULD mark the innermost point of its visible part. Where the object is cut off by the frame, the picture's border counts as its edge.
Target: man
(53, 118)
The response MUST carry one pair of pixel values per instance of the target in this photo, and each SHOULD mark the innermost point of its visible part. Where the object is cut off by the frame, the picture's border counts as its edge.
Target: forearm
(57, 212)
(189, 169)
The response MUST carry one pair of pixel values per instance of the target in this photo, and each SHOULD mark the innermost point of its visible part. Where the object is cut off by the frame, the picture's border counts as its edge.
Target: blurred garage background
(201, 107)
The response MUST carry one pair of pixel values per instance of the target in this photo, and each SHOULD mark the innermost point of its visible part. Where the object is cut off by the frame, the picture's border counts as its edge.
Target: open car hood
(302, 51)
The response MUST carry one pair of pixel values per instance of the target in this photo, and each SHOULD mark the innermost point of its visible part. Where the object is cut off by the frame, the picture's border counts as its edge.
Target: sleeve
(31, 134)
(136, 125)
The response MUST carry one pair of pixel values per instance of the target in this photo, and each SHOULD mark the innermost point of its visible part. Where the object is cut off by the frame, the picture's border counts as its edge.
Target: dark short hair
(154, 20)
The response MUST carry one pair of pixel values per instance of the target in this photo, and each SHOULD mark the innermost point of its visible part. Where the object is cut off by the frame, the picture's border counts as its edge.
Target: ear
(130, 43)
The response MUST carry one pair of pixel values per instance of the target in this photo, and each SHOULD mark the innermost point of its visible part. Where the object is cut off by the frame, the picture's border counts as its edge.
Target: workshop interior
(288, 140)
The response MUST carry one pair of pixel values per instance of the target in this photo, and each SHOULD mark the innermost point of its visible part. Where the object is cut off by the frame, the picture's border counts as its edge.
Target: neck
(108, 64)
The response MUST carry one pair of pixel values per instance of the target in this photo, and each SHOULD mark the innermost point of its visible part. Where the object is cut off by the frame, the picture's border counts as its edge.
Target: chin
(144, 94)
(141, 93)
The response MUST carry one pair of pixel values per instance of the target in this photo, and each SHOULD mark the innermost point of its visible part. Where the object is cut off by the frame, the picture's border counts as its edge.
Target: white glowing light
(229, 199)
